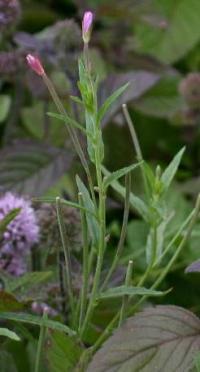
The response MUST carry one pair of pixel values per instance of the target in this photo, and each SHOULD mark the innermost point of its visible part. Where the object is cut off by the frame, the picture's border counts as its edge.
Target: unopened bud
(87, 26)
(35, 64)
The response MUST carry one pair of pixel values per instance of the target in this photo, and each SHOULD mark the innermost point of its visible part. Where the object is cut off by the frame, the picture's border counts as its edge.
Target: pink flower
(35, 64)
(87, 26)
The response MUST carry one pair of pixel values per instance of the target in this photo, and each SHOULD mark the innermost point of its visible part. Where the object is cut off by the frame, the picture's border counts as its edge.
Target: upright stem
(125, 298)
(101, 246)
(85, 276)
(40, 344)
(136, 145)
(65, 245)
(123, 231)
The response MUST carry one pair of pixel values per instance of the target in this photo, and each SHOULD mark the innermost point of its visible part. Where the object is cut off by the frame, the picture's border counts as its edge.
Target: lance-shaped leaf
(36, 320)
(118, 174)
(10, 334)
(171, 170)
(67, 120)
(8, 218)
(124, 290)
(89, 205)
(139, 83)
(164, 338)
(109, 101)
(135, 202)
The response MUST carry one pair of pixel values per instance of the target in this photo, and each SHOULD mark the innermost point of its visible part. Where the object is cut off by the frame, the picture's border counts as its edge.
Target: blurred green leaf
(7, 363)
(8, 302)
(5, 103)
(28, 281)
(163, 96)
(62, 352)
(179, 34)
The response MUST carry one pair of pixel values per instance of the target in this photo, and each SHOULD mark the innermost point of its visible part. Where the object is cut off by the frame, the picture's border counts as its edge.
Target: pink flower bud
(87, 26)
(35, 64)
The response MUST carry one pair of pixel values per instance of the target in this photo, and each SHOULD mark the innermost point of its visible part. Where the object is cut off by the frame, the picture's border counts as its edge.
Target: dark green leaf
(62, 353)
(163, 338)
(7, 363)
(8, 302)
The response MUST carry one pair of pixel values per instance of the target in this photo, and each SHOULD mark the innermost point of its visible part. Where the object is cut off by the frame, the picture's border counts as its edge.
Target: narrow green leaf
(109, 101)
(67, 120)
(171, 170)
(119, 173)
(36, 320)
(129, 291)
(89, 205)
(8, 218)
(63, 201)
(135, 202)
(77, 100)
(10, 334)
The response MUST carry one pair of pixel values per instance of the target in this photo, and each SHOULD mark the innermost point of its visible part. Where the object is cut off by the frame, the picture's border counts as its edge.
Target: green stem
(85, 278)
(125, 298)
(65, 245)
(123, 231)
(137, 147)
(101, 247)
(176, 236)
(40, 345)
(71, 131)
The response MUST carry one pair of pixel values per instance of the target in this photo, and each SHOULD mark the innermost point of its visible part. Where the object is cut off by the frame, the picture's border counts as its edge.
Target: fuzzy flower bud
(87, 26)
(35, 64)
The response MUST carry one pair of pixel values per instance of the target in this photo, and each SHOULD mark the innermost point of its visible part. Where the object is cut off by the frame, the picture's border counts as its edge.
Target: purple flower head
(87, 26)
(20, 235)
